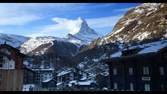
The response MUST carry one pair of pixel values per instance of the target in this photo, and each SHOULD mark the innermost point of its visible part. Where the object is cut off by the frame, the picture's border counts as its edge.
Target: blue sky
(38, 19)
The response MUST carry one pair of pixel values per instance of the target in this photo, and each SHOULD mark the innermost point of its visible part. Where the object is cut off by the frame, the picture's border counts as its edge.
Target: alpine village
(133, 57)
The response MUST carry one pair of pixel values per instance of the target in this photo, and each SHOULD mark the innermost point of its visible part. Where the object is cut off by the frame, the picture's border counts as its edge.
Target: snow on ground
(117, 31)
(27, 87)
(150, 4)
(117, 54)
(139, 22)
(140, 11)
(148, 7)
(149, 13)
(105, 88)
(141, 36)
(129, 21)
(165, 35)
(95, 60)
(81, 65)
(120, 39)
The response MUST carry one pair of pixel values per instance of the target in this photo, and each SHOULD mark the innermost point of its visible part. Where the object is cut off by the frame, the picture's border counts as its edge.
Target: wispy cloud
(12, 14)
(19, 20)
(36, 18)
(72, 26)
(21, 14)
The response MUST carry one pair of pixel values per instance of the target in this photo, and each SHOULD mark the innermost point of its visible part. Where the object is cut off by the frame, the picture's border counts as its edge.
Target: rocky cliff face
(146, 21)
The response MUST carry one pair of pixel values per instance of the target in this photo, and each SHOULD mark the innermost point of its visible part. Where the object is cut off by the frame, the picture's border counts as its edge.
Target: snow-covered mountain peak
(83, 34)
(84, 28)
(80, 26)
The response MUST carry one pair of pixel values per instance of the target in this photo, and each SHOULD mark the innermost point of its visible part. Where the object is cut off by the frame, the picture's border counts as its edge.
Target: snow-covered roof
(44, 69)
(72, 82)
(83, 78)
(88, 82)
(59, 83)
(154, 47)
(63, 72)
(47, 80)
(26, 87)
(47, 69)
(117, 54)
(145, 48)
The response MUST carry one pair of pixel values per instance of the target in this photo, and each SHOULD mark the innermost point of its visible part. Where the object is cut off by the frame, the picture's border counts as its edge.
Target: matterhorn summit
(83, 34)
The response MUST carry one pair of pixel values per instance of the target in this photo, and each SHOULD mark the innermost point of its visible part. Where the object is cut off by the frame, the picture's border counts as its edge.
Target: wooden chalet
(11, 68)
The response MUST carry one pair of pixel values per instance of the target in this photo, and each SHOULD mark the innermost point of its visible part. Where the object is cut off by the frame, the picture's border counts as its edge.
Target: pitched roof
(11, 48)
(152, 47)
(146, 52)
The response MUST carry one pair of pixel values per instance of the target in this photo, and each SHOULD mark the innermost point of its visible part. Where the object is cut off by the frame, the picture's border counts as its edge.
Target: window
(161, 69)
(147, 87)
(130, 71)
(131, 87)
(115, 85)
(146, 78)
(0, 77)
(115, 71)
(1, 61)
(146, 70)
(0, 64)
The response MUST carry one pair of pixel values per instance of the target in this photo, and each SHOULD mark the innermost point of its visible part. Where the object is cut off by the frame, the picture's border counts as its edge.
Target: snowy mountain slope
(84, 34)
(13, 40)
(146, 21)
(59, 48)
(33, 43)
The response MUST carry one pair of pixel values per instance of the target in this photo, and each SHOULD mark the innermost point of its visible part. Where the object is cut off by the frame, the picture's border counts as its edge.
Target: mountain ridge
(144, 22)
